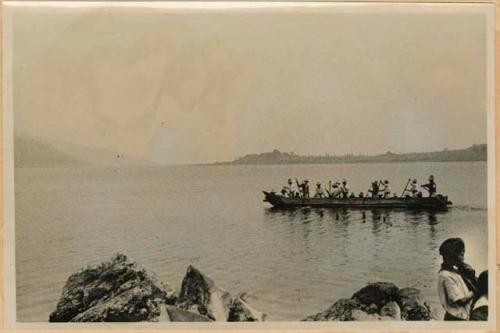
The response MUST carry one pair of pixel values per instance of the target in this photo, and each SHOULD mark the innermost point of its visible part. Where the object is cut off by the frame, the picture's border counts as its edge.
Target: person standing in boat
(291, 191)
(344, 189)
(374, 190)
(430, 186)
(386, 190)
(455, 294)
(319, 191)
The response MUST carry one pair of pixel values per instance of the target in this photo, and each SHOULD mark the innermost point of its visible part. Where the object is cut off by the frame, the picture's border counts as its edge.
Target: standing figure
(319, 191)
(430, 186)
(455, 292)
(374, 190)
(386, 190)
(291, 191)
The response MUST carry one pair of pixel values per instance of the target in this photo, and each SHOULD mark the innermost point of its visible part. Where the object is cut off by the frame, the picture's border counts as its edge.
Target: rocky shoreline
(122, 291)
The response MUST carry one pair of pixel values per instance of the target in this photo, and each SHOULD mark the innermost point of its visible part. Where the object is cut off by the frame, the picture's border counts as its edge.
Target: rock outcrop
(377, 301)
(199, 294)
(122, 291)
(118, 290)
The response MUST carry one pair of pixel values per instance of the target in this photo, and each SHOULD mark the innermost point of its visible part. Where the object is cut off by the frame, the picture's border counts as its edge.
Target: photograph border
(7, 278)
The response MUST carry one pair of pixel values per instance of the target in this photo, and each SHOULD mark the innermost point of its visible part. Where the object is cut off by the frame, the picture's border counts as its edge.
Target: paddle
(408, 182)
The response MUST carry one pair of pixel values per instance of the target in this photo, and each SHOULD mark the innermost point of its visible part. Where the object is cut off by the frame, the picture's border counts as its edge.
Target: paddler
(386, 190)
(430, 186)
(291, 191)
(304, 188)
(413, 188)
(319, 191)
(374, 190)
(335, 193)
(344, 188)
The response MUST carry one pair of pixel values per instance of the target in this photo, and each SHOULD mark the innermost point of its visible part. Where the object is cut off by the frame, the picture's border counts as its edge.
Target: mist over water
(291, 263)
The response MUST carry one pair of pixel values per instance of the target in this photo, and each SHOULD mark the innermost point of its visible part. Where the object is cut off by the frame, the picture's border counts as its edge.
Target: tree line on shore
(477, 152)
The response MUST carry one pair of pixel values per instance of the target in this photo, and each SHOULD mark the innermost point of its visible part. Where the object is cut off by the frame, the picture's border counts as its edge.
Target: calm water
(291, 263)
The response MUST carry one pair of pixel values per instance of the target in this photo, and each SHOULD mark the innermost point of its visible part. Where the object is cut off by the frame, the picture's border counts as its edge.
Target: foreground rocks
(121, 290)
(377, 301)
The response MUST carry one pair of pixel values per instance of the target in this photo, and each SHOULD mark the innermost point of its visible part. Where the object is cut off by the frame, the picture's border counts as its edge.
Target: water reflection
(380, 219)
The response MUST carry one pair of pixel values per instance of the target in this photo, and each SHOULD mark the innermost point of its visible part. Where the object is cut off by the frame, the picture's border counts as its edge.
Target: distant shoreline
(473, 153)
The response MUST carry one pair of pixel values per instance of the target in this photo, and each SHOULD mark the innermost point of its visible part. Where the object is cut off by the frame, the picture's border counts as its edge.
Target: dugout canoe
(438, 202)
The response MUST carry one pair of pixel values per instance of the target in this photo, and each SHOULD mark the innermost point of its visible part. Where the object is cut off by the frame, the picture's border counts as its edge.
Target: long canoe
(438, 202)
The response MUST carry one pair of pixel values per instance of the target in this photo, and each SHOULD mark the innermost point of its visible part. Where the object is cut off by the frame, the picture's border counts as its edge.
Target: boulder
(359, 315)
(118, 290)
(377, 301)
(412, 305)
(199, 294)
(392, 310)
(177, 314)
(378, 293)
(240, 310)
(339, 311)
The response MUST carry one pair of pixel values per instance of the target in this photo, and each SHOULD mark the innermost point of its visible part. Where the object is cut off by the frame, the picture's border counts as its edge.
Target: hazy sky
(192, 85)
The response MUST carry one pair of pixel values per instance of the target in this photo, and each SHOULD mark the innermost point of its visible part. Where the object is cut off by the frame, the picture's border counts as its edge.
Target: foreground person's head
(453, 251)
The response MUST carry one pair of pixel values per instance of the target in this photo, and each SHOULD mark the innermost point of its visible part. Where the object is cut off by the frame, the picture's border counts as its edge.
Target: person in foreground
(457, 283)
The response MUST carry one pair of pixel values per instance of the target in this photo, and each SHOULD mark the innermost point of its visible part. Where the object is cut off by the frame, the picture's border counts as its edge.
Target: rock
(339, 311)
(412, 305)
(240, 310)
(359, 315)
(392, 310)
(378, 293)
(373, 308)
(178, 314)
(377, 301)
(200, 295)
(118, 290)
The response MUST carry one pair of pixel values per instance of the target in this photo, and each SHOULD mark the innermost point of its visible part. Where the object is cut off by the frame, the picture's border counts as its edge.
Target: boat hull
(438, 202)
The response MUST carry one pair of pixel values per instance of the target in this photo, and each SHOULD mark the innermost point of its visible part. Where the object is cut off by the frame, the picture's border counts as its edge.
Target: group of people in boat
(378, 189)
(462, 295)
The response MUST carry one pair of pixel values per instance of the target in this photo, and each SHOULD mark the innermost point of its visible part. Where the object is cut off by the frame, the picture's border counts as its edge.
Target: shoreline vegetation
(476, 152)
(120, 290)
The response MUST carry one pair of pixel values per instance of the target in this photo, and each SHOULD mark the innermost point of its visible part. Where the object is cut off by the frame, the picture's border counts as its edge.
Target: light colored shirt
(451, 288)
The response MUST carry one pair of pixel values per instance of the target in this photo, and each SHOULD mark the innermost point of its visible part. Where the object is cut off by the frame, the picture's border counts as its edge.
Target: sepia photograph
(307, 164)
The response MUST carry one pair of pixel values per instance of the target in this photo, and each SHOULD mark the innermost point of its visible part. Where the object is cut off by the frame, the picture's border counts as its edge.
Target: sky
(199, 85)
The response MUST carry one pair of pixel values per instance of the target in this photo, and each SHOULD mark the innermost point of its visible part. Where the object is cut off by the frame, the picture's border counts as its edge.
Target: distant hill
(30, 152)
(473, 153)
(98, 156)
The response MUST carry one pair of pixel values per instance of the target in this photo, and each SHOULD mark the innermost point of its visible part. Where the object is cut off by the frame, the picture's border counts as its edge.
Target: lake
(290, 263)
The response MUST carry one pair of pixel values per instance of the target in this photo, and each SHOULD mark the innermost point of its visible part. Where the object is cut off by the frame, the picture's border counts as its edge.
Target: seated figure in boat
(374, 190)
(430, 186)
(344, 188)
(284, 191)
(335, 192)
(319, 191)
(304, 189)
(386, 190)
(412, 190)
